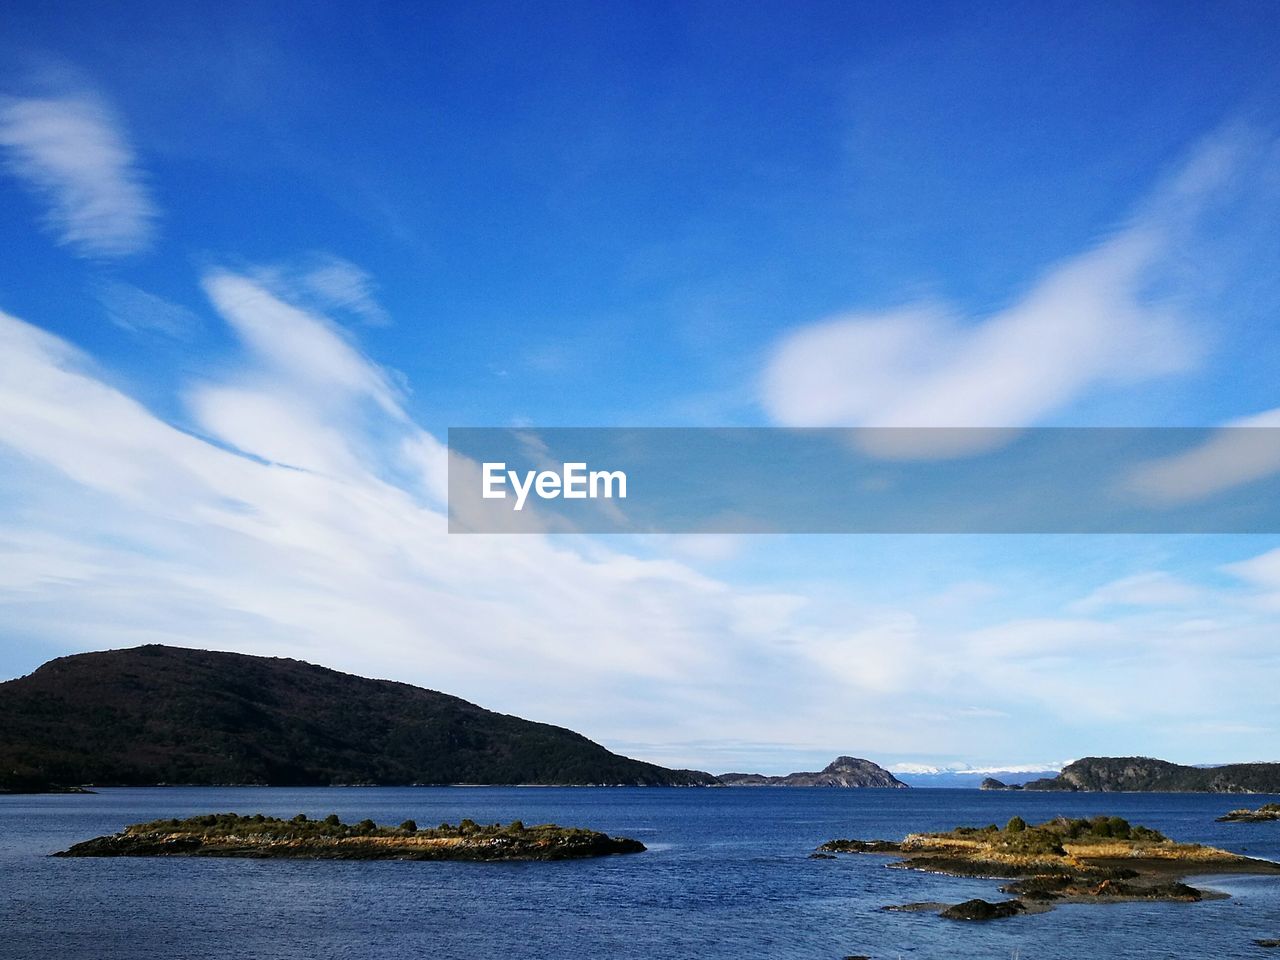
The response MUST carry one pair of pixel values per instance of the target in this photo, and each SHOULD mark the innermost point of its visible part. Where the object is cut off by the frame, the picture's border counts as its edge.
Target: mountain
(970, 779)
(1143, 775)
(842, 772)
(159, 714)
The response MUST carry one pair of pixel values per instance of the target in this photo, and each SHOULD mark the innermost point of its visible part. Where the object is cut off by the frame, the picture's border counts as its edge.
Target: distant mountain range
(1145, 775)
(159, 714)
(970, 779)
(842, 772)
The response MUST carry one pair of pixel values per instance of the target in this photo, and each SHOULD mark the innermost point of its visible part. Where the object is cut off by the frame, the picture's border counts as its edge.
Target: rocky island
(991, 783)
(232, 835)
(1264, 814)
(841, 772)
(1102, 860)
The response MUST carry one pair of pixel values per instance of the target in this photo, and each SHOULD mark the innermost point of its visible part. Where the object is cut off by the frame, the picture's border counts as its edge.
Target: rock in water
(861, 846)
(982, 910)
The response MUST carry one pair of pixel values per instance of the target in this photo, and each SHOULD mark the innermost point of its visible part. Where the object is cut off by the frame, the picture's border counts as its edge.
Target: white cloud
(1153, 589)
(1088, 322)
(136, 310)
(1244, 451)
(965, 594)
(72, 151)
(702, 547)
(273, 427)
(885, 655)
(326, 284)
(297, 347)
(1082, 325)
(341, 285)
(1042, 637)
(1262, 573)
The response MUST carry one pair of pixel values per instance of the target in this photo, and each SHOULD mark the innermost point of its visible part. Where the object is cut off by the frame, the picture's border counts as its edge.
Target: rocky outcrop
(983, 910)
(1264, 814)
(1103, 860)
(861, 846)
(842, 772)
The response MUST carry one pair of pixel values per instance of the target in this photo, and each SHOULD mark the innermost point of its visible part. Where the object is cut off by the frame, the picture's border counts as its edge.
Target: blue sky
(258, 258)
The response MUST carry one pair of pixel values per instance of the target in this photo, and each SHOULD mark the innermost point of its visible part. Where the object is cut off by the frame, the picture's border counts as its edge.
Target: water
(726, 876)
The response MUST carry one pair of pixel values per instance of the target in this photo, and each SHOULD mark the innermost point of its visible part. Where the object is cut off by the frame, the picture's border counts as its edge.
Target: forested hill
(159, 714)
(1143, 774)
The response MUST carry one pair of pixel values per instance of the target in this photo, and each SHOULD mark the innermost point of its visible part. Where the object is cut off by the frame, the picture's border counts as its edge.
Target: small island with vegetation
(1102, 860)
(258, 836)
(1264, 814)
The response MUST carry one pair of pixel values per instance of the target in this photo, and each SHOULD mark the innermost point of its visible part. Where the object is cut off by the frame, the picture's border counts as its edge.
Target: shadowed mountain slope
(159, 714)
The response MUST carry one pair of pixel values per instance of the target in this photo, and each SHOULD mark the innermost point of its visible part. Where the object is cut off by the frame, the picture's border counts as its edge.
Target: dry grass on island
(1103, 860)
(258, 836)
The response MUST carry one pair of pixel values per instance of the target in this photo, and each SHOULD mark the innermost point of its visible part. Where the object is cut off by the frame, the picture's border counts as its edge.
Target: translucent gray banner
(886, 480)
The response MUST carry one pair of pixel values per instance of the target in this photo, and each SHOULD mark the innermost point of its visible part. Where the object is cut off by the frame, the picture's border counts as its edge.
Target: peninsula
(232, 835)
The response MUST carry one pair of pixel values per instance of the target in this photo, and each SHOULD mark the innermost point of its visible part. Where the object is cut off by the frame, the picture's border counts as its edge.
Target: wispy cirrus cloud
(342, 285)
(328, 284)
(73, 153)
(1154, 588)
(1089, 322)
(296, 346)
(1262, 574)
(1243, 451)
(136, 310)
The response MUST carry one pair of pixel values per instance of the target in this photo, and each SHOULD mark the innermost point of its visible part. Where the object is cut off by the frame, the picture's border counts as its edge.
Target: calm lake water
(726, 876)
